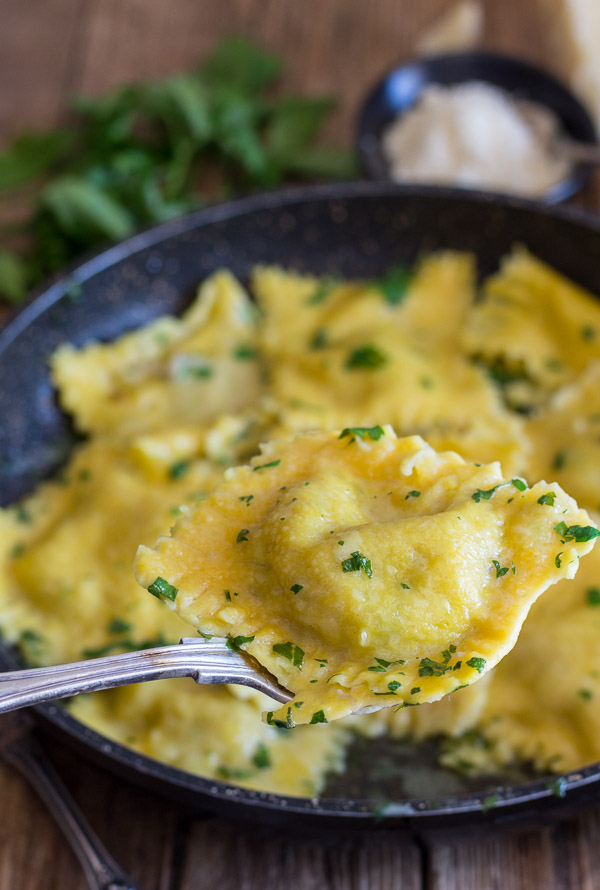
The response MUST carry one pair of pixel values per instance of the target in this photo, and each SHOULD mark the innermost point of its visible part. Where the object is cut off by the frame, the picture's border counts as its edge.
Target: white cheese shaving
(472, 135)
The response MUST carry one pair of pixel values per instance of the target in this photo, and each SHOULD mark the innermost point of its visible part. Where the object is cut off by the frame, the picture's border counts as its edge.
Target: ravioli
(565, 438)
(174, 371)
(366, 571)
(534, 328)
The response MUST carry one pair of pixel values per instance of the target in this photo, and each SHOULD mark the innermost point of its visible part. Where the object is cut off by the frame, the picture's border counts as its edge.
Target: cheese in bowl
(366, 571)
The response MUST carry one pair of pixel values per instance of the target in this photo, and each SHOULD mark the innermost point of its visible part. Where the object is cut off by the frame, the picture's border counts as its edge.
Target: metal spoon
(206, 661)
(546, 127)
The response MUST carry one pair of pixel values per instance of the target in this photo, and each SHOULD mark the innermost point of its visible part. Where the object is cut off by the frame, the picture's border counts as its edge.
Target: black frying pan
(355, 229)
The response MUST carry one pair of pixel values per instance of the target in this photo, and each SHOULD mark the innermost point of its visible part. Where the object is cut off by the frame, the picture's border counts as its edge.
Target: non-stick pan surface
(354, 229)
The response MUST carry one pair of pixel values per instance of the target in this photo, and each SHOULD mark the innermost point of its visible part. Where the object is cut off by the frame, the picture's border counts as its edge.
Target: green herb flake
(319, 340)
(476, 663)
(558, 787)
(560, 459)
(161, 588)
(489, 802)
(430, 668)
(557, 560)
(484, 494)
(393, 685)
(280, 724)
(585, 694)
(356, 562)
(415, 689)
(261, 757)
(426, 382)
(578, 533)
(363, 432)
(547, 498)
(413, 494)
(341, 543)
(395, 284)
(318, 717)
(367, 357)
(296, 588)
(235, 643)
(242, 535)
(592, 595)
(322, 292)
(247, 498)
(227, 596)
(179, 469)
(272, 463)
(245, 352)
(290, 651)
(404, 586)
(519, 484)
(298, 704)
(588, 333)
(499, 571)
(119, 626)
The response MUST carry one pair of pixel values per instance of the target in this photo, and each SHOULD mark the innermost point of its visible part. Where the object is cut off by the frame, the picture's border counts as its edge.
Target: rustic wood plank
(33, 853)
(37, 42)
(239, 858)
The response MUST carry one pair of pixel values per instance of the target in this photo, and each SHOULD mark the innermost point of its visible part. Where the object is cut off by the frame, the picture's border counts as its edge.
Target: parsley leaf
(579, 533)
(477, 663)
(235, 643)
(161, 588)
(547, 498)
(356, 562)
(272, 463)
(363, 432)
(394, 285)
(242, 535)
(318, 717)
(367, 357)
(290, 651)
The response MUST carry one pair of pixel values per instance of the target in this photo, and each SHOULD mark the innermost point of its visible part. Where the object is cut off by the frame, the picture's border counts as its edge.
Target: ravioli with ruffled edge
(366, 571)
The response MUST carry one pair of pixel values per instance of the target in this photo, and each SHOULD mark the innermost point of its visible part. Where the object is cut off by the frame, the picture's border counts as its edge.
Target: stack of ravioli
(510, 373)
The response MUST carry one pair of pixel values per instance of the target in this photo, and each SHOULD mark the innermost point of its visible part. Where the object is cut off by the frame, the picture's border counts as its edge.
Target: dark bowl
(352, 229)
(401, 88)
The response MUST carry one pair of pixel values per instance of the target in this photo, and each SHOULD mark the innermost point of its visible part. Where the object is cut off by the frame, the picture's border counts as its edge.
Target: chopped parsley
(261, 757)
(290, 651)
(585, 694)
(322, 292)
(161, 588)
(235, 643)
(367, 357)
(394, 284)
(393, 685)
(593, 596)
(404, 586)
(318, 717)
(242, 535)
(356, 562)
(415, 689)
(119, 626)
(413, 494)
(227, 596)
(272, 463)
(245, 352)
(519, 484)
(588, 332)
(547, 498)
(296, 588)
(476, 663)
(578, 533)
(484, 494)
(560, 459)
(558, 787)
(247, 498)
(341, 543)
(320, 339)
(179, 469)
(372, 432)
(430, 668)
(557, 560)
(280, 724)
(499, 571)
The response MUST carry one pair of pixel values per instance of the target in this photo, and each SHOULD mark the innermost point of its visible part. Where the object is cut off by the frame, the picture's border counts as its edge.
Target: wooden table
(48, 50)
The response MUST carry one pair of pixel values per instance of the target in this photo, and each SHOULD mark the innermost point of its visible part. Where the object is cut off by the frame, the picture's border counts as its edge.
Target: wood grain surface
(50, 49)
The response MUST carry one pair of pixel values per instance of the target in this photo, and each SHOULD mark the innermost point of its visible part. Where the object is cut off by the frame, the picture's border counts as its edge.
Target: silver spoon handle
(207, 661)
(100, 869)
(577, 152)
